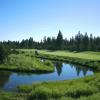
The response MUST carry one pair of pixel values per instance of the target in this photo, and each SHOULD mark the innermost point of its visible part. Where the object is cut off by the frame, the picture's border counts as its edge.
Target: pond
(63, 71)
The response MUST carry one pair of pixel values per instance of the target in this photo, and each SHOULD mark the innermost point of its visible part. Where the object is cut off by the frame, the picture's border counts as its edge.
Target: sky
(21, 19)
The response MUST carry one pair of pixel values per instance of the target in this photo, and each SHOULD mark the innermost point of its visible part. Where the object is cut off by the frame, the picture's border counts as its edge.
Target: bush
(48, 63)
(14, 51)
(36, 53)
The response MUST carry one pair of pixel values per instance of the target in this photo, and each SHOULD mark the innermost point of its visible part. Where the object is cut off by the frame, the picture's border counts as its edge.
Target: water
(63, 71)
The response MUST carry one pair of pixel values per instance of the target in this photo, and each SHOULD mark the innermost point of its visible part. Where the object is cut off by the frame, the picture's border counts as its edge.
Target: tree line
(4, 52)
(80, 42)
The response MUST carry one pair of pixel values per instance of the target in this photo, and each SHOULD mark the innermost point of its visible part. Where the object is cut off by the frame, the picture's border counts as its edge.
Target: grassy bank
(26, 62)
(12, 96)
(82, 55)
(87, 88)
(87, 59)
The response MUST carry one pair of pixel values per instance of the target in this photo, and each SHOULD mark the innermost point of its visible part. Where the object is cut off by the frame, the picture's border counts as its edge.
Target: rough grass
(87, 59)
(87, 88)
(93, 64)
(12, 96)
(80, 89)
(26, 61)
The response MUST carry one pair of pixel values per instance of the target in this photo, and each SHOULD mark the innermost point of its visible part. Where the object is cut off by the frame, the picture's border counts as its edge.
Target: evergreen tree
(85, 42)
(78, 43)
(3, 53)
(59, 41)
(91, 43)
(30, 43)
(49, 43)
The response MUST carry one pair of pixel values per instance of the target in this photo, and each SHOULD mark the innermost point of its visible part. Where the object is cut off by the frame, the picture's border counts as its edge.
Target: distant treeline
(79, 42)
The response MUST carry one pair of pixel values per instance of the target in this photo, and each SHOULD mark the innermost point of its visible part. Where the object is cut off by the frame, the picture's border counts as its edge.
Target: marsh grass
(77, 89)
(26, 62)
(87, 88)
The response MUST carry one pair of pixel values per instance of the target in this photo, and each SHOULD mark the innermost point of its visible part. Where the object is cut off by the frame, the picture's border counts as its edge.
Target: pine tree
(3, 53)
(59, 41)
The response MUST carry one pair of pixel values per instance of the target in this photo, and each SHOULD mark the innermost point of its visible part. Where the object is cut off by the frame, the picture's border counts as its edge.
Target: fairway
(84, 55)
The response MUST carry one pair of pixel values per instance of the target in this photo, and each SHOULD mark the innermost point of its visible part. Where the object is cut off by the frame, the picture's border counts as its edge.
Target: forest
(79, 42)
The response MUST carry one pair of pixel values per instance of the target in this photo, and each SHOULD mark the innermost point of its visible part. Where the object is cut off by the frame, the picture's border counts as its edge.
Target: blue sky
(38, 18)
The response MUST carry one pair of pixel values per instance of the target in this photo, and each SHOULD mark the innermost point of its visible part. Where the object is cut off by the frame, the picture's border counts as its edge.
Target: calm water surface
(63, 71)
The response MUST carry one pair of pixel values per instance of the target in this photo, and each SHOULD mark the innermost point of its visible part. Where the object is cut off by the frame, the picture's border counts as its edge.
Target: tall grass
(87, 88)
(77, 89)
(26, 61)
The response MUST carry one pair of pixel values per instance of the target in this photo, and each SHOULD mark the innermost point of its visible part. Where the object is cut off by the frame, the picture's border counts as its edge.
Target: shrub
(14, 51)
(23, 52)
(36, 53)
(48, 63)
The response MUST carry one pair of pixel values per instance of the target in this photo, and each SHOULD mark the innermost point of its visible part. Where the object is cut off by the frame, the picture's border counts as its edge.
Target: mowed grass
(83, 55)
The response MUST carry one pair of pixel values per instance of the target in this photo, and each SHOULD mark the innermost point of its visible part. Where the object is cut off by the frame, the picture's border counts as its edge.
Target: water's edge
(63, 71)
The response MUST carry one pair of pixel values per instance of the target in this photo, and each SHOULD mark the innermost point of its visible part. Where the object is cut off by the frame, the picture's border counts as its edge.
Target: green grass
(80, 89)
(26, 61)
(87, 88)
(12, 96)
(87, 59)
(83, 55)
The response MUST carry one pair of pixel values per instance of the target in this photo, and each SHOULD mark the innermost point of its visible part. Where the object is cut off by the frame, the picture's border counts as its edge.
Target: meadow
(86, 59)
(87, 88)
(26, 62)
(82, 55)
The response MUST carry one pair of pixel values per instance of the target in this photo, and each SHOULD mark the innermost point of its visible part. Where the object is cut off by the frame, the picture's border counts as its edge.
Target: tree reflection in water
(63, 71)
(58, 66)
(4, 77)
(78, 69)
